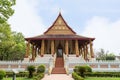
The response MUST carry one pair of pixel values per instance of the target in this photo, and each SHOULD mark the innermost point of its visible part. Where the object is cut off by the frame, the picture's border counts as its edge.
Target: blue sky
(78, 12)
(93, 18)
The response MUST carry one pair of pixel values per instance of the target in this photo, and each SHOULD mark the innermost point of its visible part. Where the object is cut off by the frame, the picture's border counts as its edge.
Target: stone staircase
(59, 66)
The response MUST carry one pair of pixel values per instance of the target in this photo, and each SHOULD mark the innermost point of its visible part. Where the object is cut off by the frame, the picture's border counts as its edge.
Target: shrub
(39, 76)
(2, 74)
(41, 69)
(20, 74)
(88, 69)
(76, 69)
(31, 70)
(76, 76)
(81, 70)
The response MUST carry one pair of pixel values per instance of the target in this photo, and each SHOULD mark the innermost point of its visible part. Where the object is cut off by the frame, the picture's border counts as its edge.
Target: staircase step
(59, 62)
(59, 67)
(58, 71)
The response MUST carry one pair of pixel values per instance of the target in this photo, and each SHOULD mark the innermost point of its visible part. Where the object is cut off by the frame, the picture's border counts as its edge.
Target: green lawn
(101, 78)
(17, 78)
(88, 78)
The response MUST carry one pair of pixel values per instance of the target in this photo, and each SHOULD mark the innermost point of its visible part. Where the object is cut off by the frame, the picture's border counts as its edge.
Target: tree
(6, 9)
(12, 44)
(5, 31)
(5, 40)
(110, 56)
(19, 47)
(102, 55)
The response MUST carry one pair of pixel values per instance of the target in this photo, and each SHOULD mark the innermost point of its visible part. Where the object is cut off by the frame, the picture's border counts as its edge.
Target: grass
(18, 78)
(87, 78)
(101, 78)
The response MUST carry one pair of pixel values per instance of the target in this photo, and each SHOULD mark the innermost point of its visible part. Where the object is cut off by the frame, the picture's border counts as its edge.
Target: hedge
(76, 76)
(2, 74)
(25, 74)
(39, 76)
(20, 74)
(41, 69)
(81, 70)
(103, 74)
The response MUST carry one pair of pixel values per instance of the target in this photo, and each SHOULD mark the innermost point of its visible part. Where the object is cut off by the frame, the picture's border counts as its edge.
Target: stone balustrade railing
(21, 66)
(66, 63)
(69, 63)
(95, 65)
(51, 64)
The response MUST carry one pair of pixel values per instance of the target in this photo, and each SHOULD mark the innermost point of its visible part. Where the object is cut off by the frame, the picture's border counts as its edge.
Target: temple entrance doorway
(59, 50)
(59, 63)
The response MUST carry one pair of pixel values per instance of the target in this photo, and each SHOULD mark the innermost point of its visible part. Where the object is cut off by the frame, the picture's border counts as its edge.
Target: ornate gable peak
(60, 27)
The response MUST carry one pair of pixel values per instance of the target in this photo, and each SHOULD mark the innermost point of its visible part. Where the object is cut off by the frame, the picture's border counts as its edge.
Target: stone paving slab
(58, 77)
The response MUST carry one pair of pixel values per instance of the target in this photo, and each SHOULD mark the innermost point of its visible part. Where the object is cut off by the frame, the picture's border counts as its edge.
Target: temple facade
(59, 39)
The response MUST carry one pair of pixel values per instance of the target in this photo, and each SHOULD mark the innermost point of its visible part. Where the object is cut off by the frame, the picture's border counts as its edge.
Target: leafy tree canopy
(12, 45)
(104, 55)
(6, 9)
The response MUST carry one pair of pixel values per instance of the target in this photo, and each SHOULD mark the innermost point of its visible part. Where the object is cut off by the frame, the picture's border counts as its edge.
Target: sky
(99, 19)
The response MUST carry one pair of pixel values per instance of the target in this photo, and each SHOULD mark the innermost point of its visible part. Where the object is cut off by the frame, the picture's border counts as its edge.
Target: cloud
(26, 18)
(105, 32)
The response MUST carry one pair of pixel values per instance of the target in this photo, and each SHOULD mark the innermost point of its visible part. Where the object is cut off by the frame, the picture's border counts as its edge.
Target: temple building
(60, 49)
(59, 39)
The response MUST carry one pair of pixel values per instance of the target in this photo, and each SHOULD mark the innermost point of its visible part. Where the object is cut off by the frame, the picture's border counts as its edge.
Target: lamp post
(14, 74)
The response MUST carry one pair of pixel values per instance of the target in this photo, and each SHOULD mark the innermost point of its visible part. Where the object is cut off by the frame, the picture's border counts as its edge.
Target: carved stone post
(42, 48)
(76, 48)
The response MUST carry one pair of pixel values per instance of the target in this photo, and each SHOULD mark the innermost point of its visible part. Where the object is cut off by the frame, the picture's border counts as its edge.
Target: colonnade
(78, 50)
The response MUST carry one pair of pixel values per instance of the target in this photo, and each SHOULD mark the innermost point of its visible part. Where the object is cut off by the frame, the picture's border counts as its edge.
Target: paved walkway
(57, 77)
